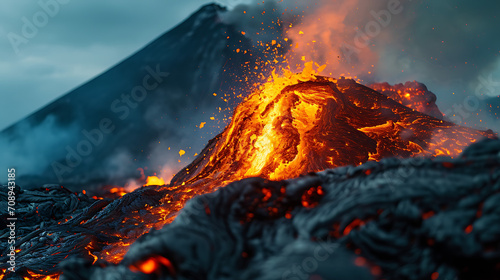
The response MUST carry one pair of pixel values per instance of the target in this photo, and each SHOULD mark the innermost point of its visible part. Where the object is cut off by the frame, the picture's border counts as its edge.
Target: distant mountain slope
(129, 116)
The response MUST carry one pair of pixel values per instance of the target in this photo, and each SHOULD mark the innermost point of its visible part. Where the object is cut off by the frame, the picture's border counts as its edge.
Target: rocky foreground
(394, 219)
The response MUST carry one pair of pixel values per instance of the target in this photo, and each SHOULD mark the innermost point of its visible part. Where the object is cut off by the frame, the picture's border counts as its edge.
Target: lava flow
(300, 123)
(292, 125)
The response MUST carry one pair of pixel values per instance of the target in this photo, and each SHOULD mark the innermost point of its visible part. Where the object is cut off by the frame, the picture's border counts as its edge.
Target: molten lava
(154, 181)
(292, 125)
(300, 123)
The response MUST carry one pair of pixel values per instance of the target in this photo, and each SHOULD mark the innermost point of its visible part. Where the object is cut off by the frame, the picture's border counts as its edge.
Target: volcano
(313, 177)
(291, 126)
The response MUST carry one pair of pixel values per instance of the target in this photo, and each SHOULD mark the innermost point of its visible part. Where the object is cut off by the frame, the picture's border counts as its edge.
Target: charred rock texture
(413, 95)
(55, 224)
(394, 219)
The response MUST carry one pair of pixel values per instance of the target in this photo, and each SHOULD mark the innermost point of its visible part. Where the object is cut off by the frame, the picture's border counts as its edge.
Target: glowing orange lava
(292, 125)
(300, 123)
(154, 181)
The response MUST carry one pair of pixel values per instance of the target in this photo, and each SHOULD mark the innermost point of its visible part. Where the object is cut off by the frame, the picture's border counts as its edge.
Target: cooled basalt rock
(55, 224)
(413, 95)
(394, 219)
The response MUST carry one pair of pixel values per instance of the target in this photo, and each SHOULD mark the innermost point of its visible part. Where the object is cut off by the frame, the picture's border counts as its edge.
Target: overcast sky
(80, 40)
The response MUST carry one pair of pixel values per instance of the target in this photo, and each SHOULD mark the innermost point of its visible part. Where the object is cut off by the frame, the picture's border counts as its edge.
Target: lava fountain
(300, 123)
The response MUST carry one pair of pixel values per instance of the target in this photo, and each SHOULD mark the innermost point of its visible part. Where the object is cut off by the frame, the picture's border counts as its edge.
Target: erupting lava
(300, 123)
(292, 125)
